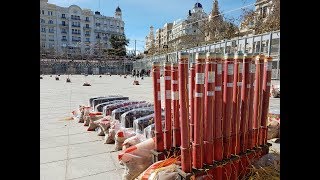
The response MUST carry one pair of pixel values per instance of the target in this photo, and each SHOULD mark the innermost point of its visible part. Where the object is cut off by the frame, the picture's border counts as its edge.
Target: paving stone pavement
(67, 150)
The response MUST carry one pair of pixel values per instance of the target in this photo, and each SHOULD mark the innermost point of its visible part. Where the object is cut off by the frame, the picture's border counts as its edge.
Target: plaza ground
(67, 150)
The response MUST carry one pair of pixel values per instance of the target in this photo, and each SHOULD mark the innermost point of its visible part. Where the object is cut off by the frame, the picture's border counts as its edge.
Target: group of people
(143, 72)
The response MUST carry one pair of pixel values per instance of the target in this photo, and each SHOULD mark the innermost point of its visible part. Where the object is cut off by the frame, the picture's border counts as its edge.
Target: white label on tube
(159, 96)
(218, 88)
(210, 93)
(269, 84)
(252, 68)
(175, 95)
(167, 78)
(229, 84)
(239, 83)
(269, 68)
(168, 94)
(199, 78)
(230, 69)
(198, 94)
(174, 82)
(240, 68)
(211, 76)
(248, 85)
(158, 80)
(219, 68)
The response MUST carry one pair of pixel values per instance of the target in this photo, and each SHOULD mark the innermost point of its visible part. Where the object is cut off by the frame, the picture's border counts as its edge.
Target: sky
(139, 15)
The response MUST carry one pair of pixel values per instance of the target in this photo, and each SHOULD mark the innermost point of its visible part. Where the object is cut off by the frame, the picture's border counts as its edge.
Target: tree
(118, 44)
(259, 20)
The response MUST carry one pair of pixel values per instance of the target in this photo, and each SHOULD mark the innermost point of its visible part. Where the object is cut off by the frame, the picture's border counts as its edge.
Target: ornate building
(72, 30)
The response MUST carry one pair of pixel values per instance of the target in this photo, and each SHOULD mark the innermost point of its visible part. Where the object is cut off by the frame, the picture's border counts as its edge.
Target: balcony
(64, 32)
(87, 41)
(51, 31)
(87, 28)
(64, 40)
(76, 40)
(87, 20)
(64, 25)
(77, 33)
(75, 18)
(98, 37)
(63, 17)
(75, 25)
(87, 34)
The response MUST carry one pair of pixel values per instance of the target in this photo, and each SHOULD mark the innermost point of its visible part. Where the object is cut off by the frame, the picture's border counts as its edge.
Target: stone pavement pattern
(67, 150)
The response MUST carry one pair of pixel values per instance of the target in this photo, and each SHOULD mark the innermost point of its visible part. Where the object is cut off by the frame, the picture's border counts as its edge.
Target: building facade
(180, 33)
(72, 30)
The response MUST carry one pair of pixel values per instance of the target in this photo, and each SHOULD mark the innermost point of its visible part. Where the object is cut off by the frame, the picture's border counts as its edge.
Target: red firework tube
(235, 125)
(197, 145)
(168, 119)
(159, 146)
(245, 89)
(257, 98)
(184, 108)
(218, 104)
(209, 114)
(251, 94)
(191, 100)
(236, 100)
(175, 105)
(227, 103)
(267, 70)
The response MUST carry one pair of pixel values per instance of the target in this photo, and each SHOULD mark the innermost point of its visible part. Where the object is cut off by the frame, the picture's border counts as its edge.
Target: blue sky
(139, 15)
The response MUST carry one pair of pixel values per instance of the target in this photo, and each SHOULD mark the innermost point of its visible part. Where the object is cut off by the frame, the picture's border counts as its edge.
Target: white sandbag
(131, 141)
(121, 136)
(136, 158)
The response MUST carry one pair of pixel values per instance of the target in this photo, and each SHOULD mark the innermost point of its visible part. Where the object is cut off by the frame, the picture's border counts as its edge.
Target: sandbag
(107, 110)
(131, 141)
(93, 116)
(273, 127)
(148, 132)
(136, 158)
(128, 117)
(85, 110)
(105, 126)
(121, 135)
(95, 124)
(116, 113)
(167, 165)
(99, 97)
(99, 107)
(107, 99)
(110, 137)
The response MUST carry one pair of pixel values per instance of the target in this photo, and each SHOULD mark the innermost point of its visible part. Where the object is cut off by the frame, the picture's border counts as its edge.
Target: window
(97, 24)
(87, 25)
(63, 15)
(43, 29)
(50, 22)
(64, 37)
(87, 18)
(264, 11)
(51, 30)
(42, 11)
(50, 13)
(43, 45)
(88, 39)
(87, 32)
(63, 23)
(42, 21)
